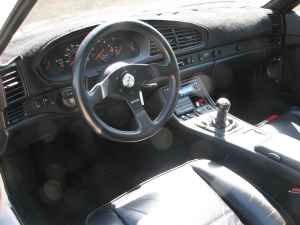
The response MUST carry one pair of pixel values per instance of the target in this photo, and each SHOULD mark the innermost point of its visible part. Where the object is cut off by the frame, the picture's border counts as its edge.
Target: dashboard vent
(277, 29)
(14, 94)
(179, 37)
(14, 114)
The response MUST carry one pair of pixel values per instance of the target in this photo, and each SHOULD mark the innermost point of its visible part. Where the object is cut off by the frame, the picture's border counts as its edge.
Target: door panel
(7, 215)
(292, 55)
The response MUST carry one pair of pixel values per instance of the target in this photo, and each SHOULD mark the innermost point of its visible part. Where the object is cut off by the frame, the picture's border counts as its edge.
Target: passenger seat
(288, 124)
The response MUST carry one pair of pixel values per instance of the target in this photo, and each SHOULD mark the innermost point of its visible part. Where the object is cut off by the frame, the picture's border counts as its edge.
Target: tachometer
(102, 52)
(69, 53)
(113, 49)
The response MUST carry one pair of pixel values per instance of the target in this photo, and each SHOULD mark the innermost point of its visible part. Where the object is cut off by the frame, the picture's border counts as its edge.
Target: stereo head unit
(192, 97)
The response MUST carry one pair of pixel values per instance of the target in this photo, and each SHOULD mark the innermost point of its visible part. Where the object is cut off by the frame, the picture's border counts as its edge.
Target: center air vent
(14, 94)
(178, 36)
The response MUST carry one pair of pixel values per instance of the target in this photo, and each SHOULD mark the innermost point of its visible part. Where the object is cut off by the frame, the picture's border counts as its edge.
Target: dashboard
(42, 100)
(58, 59)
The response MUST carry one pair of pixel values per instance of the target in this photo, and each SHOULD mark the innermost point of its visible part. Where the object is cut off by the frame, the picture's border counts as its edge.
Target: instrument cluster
(57, 63)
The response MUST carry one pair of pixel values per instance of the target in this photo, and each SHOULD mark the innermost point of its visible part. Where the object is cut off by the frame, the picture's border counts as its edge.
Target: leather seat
(288, 124)
(199, 192)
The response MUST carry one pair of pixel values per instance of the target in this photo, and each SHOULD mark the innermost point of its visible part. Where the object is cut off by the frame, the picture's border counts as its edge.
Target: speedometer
(103, 51)
(69, 53)
(113, 49)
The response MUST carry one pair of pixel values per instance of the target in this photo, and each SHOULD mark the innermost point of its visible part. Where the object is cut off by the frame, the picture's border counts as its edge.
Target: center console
(192, 101)
(197, 111)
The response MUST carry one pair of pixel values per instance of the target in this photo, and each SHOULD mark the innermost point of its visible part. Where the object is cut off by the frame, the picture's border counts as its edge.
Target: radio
(192, 99)
(190, 88)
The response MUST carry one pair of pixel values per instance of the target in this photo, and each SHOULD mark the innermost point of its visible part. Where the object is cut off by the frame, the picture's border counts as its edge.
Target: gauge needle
(118, 50)
(99, 54)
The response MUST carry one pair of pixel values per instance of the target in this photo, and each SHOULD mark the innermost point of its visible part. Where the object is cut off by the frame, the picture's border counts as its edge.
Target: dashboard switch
(68, 99)
(69, 102)
(37, 104)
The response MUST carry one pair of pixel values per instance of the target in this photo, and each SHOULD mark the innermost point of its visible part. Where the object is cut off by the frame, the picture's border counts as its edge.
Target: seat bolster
(288, 124)
(242, 197)
(106, 215)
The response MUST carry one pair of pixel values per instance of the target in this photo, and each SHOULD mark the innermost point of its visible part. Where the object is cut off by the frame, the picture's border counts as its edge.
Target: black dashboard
(40, 65)
(55, 59)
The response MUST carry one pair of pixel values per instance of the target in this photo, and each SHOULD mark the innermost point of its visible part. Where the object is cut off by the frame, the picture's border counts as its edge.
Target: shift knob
(223, 105)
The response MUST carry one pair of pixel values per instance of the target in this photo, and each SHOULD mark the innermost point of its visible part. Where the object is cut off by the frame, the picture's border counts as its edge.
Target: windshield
(56, 9)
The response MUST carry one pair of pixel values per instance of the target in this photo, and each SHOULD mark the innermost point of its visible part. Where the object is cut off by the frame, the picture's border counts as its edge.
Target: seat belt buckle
(269, 119)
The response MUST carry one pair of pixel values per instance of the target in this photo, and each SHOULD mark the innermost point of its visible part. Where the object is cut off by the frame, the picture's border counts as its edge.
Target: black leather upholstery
(288, 124)
(182, 197)
(244, 199)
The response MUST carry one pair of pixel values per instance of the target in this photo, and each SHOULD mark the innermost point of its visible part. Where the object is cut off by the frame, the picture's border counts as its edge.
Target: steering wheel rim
(86, 99)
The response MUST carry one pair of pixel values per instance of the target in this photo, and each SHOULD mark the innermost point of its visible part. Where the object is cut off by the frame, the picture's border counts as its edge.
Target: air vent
(276, 24)
(277, 29)
(179, 37)
(14, 114)
(14, 94)
(187, 37)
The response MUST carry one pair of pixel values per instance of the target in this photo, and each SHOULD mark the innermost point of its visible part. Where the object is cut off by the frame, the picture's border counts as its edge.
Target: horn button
(128, 80)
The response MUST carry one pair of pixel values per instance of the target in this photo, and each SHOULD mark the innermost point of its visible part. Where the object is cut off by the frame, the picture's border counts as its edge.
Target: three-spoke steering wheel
(124, 80)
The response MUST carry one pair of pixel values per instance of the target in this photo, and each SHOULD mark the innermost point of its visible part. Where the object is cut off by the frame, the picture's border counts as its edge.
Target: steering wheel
(125, 80)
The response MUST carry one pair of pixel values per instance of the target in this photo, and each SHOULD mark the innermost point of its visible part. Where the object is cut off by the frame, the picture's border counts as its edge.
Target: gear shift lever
(223, 105)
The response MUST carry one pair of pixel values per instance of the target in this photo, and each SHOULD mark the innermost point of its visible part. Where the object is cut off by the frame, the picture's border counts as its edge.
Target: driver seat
(199, 192)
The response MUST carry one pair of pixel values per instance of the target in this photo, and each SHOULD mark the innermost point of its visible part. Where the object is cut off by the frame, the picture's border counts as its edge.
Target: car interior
(186, 116)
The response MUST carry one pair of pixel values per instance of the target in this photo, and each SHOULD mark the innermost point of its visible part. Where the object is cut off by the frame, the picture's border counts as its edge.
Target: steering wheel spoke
(142, 72)
(98, 93)
(135, 102)
(161, 70)
(159, 79)
(143, 120)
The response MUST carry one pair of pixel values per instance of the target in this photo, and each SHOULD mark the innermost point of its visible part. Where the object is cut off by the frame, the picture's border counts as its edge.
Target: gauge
(58, 61)
(102, 52)
(97, 51)
(47, 64)
(69, 53)
(113, 49)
